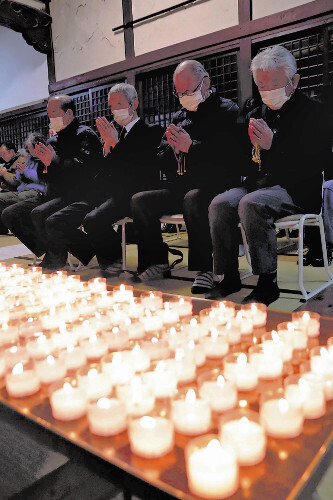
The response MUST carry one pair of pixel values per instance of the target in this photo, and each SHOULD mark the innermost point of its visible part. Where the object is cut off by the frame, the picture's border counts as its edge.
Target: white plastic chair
(298, 222)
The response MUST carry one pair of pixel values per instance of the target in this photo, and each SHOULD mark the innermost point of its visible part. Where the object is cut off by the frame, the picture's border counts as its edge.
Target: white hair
(195, 67)
(274, 57)
(126, 89)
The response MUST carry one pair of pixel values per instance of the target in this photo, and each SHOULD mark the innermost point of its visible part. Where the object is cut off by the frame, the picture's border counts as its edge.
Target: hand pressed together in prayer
(260, 133)
(2, 170)
(21, 167)
(45, 153)
(178, 138)
(108, 131)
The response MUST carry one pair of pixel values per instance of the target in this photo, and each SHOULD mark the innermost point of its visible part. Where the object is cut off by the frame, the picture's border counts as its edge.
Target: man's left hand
(45, 153)
(260, 133)
(178, 138)
(2, 170)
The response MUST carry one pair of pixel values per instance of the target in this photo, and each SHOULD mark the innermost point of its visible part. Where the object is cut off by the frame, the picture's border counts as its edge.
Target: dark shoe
(53, 261)
(155, 272)
(310, 259)
(265, 293)
(112, 270)
(224, 288)
(203, 282)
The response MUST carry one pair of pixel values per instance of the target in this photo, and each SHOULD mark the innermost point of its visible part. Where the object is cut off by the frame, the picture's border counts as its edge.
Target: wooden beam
(273, 22)
(244, 76)
(244, 11)
(128, 30)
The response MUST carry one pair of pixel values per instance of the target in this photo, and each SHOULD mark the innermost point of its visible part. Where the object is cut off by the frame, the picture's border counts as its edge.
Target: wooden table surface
(291, 469)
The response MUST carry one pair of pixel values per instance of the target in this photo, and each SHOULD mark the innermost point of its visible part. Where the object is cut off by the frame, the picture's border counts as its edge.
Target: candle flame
(306, 317)
(244, 424)
(92, 373)
(191, 344)
(214, 445)
(173, 330)
(253, 308)
(122, 287)
(283, 405)
(160, 367)
(241, 359)
(104, 403)
(13, 349)
(136, 349)
(115, 330)
(41, 339)
(93, 338)
(290, 327)
(193, 322)
(18, 369)
(214, 334)
(220, 382)
(68, 389)
(70, 348)
(147, 422)
(324, 352)
(5, 326)
(50, 360)
(154, 340)
(228, 326)
(190, 397)
(167, 306)
(181, 301)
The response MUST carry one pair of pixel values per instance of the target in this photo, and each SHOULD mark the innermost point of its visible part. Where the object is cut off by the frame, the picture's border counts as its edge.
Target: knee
(218, 209)
(37, 217)
(140, 201)
(191, 198)
(247, 206)
(7, 216)
(88, 223)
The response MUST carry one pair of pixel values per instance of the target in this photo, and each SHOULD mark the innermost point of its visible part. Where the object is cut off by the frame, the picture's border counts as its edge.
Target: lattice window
(38, 123)
(158, 100)
(330, 55)
(99, 102)
(82, 108)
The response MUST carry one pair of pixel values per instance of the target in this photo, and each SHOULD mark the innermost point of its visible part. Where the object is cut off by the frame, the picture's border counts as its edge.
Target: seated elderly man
(200, 156)
(69, 162)
(8, 181)
(291, 142)
(15, 206)
(129, 165)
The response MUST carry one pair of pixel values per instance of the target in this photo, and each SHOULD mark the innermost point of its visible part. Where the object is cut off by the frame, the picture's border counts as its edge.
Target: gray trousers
(257, 211)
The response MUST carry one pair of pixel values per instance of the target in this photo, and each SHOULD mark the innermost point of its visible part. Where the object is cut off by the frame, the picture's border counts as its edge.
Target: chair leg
(70, 263)
(300, 259)
(123, 245)
(246, 247)
(323, 247)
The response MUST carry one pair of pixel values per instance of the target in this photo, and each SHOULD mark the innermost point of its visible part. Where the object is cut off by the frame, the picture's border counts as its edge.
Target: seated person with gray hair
(290, 139)
(15, 206)
(129, 165)
(200, 157)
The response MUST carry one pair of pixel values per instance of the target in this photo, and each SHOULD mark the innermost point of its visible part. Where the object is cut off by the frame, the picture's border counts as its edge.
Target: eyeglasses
(189, 93)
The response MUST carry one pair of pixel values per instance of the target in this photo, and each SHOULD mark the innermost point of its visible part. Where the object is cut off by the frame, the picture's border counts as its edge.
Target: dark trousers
(147, 208)
(97, 237)
(17, 218)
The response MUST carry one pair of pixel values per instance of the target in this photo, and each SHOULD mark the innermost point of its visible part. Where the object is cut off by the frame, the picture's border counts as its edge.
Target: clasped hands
(178, 138)
(108, 132)
(260, 133)
(45, 153)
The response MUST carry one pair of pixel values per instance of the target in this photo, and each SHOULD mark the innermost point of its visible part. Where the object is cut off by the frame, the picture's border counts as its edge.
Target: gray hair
(274, 57)
(33, 139)
(126, 89)
(195, 67)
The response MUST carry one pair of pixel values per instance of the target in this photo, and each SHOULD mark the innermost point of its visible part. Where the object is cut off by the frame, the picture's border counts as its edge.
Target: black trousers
(148, 206)
(97, 237)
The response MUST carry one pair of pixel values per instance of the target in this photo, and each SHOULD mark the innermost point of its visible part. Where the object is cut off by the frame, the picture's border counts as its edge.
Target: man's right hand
(21, 167)
(108, 132)
(2, 170)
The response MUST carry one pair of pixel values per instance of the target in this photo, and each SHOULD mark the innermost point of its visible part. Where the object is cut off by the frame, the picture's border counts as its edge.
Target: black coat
(71, 172)
(132, 164)
(214, 159)
(300, 150)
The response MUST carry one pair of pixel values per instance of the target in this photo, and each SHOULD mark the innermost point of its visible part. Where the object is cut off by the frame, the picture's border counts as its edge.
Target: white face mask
(122, 116)
(57, 123)
(191, 102)
(274, 99)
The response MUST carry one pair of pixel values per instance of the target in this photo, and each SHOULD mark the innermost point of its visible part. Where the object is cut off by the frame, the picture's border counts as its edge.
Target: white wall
(23, 72)
(261, 8)
(83, 39)
(200, 18)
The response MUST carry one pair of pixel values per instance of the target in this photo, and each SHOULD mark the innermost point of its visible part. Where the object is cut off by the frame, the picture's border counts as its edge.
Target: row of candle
(183, 343)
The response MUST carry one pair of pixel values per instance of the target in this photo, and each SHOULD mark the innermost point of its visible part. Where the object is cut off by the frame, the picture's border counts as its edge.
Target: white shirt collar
(131, 124)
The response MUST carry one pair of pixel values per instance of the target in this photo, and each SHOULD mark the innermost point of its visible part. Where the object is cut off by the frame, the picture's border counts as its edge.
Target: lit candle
(8, 334)
(191, 415)
(40, 346)
(95, 347)
(151, 323)
(321, 362)
(134, 328)
(245, 324)
(2, 366)
(233, 332)
(291, 333)
(215, 345)
(22, 381)
(256, 312)
(267, 361)
(183, 306)
(73, 356)
(309, 321)
(163, 380)
(107, 417)
(306, 392)
(68, 402)
(243, 374)
(197, 352)
(95, 383)
(212, 470)
(137, 397)
(157, 348)
(221, 395)
(152, 300)
(274, 342)
(15, 354)
(116, 338)
(50, 369)
(227, 308)
(168, 314)
(117, 369)
(123, 293)
(242, 431)
(193, 328)
(280, 419)
(184, 365)
(138, 358)
(151, 437)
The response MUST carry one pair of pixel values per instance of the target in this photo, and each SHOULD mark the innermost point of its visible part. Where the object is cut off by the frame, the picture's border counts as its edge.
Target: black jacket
(132, 164)
(71, 172)
(300, 150)
(214, 159)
